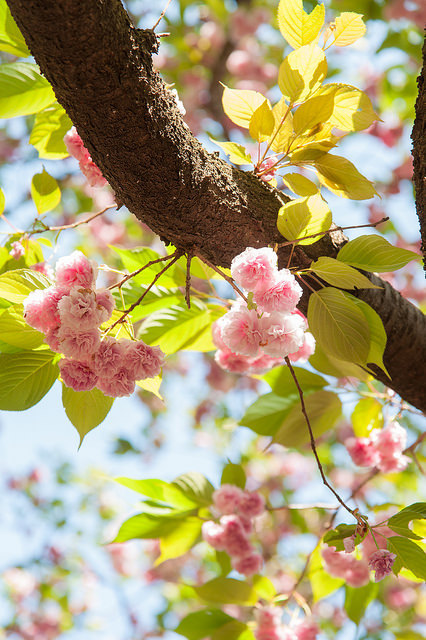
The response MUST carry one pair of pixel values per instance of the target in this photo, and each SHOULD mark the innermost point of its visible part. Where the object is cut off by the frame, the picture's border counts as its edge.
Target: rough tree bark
(418, 137)
(101, 70)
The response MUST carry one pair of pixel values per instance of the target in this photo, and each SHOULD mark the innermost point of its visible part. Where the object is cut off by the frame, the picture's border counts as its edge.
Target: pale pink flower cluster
(270, 627)
(252, 340)
(382, 449)
(267, 169)
(17, 250)
(70, 314)
(381, 561)
(76, 148)
(340, 565)
(231, 533)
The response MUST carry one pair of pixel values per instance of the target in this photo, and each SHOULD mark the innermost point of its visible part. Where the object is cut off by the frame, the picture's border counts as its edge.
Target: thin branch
(135, 273)
(323, 233)
(221, 273)
(353, 512)
(74, 224)
(298, 507)
(162, 14)
(177, 255)
(188, 280)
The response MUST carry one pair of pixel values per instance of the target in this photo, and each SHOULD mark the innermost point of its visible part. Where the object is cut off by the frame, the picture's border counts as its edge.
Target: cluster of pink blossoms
(70, 313)
(76, 148)
(254, 340)
(356, 572)
(382, 449)
(231, 534)
(270, 627)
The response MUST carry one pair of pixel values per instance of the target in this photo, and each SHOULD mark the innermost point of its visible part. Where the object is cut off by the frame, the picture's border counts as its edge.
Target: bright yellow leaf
(283, 129)
(302, 72)
(341, 177)
(297, 26)
(313, 112)
(262, 122)
(300, 184)
(347, 28)
(352, 110)
(304, 217)
(240, 104)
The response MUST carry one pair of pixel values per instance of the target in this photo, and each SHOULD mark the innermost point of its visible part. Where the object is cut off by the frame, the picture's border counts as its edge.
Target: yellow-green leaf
(367, 416)
(25, 378)
(283, 129)
(375, 253)
(240, 104)
(2, 201)
(304, 217)
(48, 132)
(341, 177)
(152, 385)
(236, 152)
(227, 591)
(323, 408)
(11, 39)
(23, 90)
(45, 192)
(339, 325)
(262, 122)
(312, 112)
(326, 363)
(85, 409)
(297, 26)
(352, 110)
(180, 539)
(378, 337)
(300, 184)
(330, 270)
(347, 28)
(302, 72)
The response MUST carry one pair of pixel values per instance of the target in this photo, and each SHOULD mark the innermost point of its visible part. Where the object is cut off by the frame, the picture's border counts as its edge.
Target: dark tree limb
(418, 137)
(101, 70)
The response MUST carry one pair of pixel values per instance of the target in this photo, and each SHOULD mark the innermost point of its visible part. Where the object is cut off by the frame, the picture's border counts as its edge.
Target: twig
(305, 283)
(323, 233)
(162, 14)
(221, 273)
(139, 300)
(188, 280)
(298, 507)
(74, 224)
(353, 512)
(135, 273)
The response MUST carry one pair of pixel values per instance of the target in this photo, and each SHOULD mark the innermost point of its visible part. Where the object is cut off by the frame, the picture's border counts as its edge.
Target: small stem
(298, 507)
(162, 14)
(290, 256)
(221, 273)
(135, 273)
(313, 444)
(323, 233)
(188, 280)
(305, 283)
(74, 224)
(277, 131)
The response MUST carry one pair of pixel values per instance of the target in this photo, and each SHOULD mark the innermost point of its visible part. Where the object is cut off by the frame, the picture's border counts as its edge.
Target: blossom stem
(224, 276)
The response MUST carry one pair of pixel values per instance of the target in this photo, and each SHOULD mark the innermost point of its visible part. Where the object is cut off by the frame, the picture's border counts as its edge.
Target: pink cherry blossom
(357, 574)
(282, 294)
(281, 333)
(92, 173)
(362, 451)
(336, 563)
(110, 356)
(77, 375)
(52, 339)
(41, 308)
(349, 544)
(263, 172)
(227, 498)
(17, 250)
(263, 363)
(76, 270)
(142, 360)
(75, 145)
(78, 344)
(217, 335)
(214, 534)
(44, 268)
(118, 385)
(268, 633)
(241, 331)
(232, 362)
(252, 504)
(268, 617)
(235, 538)
(306, 350)
(79, 309)
(306, 629)
(381, 562)
(248, 565)
(254, 266)
(390, 443)
(105, 303)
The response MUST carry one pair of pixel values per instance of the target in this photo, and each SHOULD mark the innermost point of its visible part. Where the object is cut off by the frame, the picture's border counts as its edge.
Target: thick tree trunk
(101, 70)
(418, 137)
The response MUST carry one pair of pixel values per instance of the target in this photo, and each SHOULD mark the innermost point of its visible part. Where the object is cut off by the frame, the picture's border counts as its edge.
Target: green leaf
(282, 384)
(267, 413)
(145, 526)
(358, 599)
(367, 416)
(11, 39)
(234, 630)
(137, 258)
(49, 129)
(161, 491)
(23, 90)
(264, 588)
(236, 152)
(331, 366)
(324, 408)
(25, 378)
(15, 286)
(339, 325)
(299, 184)
(195, 487)
(233, 474)
(304, 217)
(335, 537)
(227, 591)
(374, 253)
(341, 177)
(85, 409)
(156, 298)
(378, 337)
(16, 332)
(409, 555)
(339, 274)
(399, 522)
(45, 192)
(180, 539)
(179, 328)
(200, 624)
(2, 202)
(322, 583)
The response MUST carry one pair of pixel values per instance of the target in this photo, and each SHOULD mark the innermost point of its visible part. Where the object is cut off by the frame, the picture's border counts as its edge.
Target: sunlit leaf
(159, 490)
(312, 112)
(282, 383)
(375, 253)
(378, 337)
(236, 152)
(15, 331)
(302, 72)
(240, 104)
(357, 600)
(25, 378)
(23, 90)
(2, 201)
(233, 474)
(409, 555)
(367, 416)
(45, 192)
(85, 409)
(200, 624)
(195, 487)
(352, 109)
(180, 539)
(48, 132)
(15, 286)
(347, 28)
(152, 385)
(227, 591)
(262, 122)
(283, 128)
(297, 26)
(399, 522)
(300, 184)
(343, 178)
(330, 270)
(304, 217)
(322, 583)
(11, 39)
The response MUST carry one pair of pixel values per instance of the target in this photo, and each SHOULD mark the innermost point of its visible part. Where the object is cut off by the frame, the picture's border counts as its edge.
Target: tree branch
(418, 137)
(101, 70)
